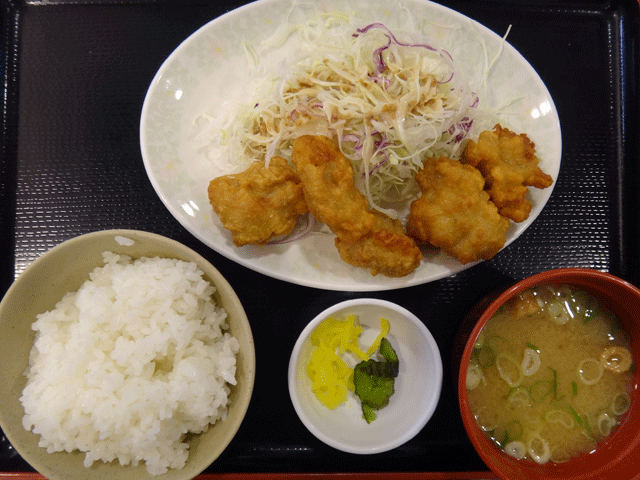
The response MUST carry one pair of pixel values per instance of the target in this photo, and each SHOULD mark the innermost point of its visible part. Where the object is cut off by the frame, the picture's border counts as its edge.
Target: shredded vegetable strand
(387, 100)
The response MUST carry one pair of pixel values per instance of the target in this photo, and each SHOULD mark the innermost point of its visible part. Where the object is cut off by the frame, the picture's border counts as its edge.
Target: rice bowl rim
(150, 245)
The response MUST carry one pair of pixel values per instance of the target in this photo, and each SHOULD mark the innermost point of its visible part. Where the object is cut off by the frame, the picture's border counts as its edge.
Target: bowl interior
(615, 457)
(417, 387)
(64, 269)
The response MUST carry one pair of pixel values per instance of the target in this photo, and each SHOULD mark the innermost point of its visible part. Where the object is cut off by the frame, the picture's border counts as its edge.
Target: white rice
(127, 242)
(123, 368)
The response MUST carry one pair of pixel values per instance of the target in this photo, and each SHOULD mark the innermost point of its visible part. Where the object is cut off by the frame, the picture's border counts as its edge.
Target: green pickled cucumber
(368, 413)
(373, 390)
(387, 351)
(374, 380)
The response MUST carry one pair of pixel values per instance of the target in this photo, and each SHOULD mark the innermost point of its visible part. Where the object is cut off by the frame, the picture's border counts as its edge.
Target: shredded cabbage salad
(389, 99)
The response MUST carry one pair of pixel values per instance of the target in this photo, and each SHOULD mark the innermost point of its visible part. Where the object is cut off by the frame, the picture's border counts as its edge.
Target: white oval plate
(208, 72)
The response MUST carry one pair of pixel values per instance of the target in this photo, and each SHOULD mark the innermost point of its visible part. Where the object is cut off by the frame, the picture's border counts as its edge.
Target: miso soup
(550, 374)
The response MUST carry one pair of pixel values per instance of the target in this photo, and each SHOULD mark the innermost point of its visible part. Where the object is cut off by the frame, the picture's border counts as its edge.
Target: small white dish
(417, 387)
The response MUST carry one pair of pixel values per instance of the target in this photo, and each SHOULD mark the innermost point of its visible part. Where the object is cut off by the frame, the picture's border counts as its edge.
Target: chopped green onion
(516, 450)
(538, 449)
(530, 362)
(510, 371)
(561, 417)
(532, 347)
(474, 376)
(606, 423)
(486, 356)
(574, 388)
(518, 396)
(575, 415)
(590, 366)
(621, 403)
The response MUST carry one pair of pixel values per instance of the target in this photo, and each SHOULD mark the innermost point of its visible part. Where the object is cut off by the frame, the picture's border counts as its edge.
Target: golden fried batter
(454, 212)
(508, 164)
(385, 249)
(259, 203)
(331, 194)
(364, 238)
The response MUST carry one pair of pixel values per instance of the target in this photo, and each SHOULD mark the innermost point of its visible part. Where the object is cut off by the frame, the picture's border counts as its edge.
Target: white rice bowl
(126, 366)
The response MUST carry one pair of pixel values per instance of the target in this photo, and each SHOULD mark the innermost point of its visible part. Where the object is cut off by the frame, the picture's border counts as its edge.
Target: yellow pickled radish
(331, 378)
(384, 330)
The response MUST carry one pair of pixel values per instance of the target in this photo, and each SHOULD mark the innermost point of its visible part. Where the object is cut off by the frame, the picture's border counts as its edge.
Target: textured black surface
(75, 75)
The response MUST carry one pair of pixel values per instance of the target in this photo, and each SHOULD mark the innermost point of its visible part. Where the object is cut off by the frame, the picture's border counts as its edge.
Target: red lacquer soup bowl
(618, 456)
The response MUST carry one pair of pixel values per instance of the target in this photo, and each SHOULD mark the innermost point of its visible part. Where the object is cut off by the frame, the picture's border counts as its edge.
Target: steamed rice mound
(123, 368)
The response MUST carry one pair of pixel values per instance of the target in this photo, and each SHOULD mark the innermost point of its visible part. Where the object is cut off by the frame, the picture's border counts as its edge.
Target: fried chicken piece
(259, 203)
(329, 189)
(386, 249)
(364, 238)
(454, 212)
(509, 165)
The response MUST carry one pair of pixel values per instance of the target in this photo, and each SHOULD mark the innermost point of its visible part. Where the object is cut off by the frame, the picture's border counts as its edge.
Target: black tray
(74, 78)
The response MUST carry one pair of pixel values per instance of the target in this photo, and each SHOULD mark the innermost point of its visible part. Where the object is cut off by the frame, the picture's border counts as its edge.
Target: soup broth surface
(550, 374)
